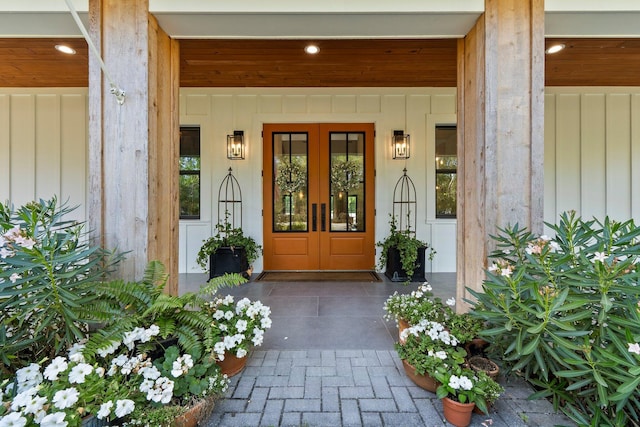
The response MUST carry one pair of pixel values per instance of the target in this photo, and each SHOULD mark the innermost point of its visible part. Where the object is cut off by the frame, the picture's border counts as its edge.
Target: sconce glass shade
(401, 145)
(235, 145)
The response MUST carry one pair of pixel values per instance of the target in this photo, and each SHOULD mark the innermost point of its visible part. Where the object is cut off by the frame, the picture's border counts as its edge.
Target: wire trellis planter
(405, 204)
(230, 203)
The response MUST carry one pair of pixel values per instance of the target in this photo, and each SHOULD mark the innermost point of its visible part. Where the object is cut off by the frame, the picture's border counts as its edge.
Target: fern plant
(143, 303)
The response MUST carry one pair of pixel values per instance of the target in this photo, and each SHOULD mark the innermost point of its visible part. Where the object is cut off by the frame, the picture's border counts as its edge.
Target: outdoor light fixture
(312, 49)
(65, 49)
(235, 145)
(401, 145)
(555, 48)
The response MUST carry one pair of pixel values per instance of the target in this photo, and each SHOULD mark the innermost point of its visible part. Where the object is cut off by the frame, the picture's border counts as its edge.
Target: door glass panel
(290, 177)
(346, 181)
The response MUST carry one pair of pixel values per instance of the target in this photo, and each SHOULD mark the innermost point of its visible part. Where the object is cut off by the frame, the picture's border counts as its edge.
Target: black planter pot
(396, 273)
(228, 260)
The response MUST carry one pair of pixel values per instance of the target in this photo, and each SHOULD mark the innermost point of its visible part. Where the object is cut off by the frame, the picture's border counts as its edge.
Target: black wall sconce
(401, 145)
(235, 145)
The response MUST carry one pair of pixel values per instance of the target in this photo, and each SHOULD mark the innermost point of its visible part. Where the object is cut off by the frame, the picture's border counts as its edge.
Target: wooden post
(133, 146)
(500, 131)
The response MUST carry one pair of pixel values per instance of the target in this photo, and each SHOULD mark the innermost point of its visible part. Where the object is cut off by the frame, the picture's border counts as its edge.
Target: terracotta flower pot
(422, 381)
(196, 414)
(458, 414)
(478, 363)
(231, 365)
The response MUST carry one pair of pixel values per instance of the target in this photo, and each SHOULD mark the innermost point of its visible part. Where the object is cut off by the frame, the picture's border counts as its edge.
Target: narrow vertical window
(189, 172)
(446, 171)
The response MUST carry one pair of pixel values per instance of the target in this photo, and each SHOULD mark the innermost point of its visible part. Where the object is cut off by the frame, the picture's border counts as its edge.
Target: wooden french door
(318, 188)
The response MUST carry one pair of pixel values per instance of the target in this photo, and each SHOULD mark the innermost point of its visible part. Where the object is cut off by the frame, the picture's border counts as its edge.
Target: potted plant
(409, 309)
(228, 251)
(403, 255)
(492, 390)
(236, 327)
(427, 347)
(461, 390)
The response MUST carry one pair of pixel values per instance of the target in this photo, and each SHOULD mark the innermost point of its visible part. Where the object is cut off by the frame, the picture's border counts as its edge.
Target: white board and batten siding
(221, 111)
(592, 153)
(43, 146)
(592, 150)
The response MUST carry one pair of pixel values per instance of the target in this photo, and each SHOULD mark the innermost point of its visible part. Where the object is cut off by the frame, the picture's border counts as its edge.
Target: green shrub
(564, 313)
(47, 275)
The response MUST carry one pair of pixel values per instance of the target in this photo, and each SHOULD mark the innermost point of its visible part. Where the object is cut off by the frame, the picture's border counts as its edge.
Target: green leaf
(531, 346)
(629, 386)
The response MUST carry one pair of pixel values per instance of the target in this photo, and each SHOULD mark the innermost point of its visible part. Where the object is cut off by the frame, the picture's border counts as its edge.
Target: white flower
(35, 405)
(75, 353)
(23, 398)
(219, 314)
(124, 407)
(78, 372)
(28, 373)
(219, 347)
(465, 383)
(105, 410)
(545, 238)
(241, 353)
(100, 371)
(451, 302)
(228, 300)
(15, 277)
(57, 365)
(66, 398)
(494, 268)
(599, 256)
(150, 372)
(554, 246)
(441, 354)
(228, 315)
(229, 342)
(454, 382)
(54, 420)
(265, 323)
(634, 348)
(153, 330)
(241, 325)
(25, 242)
(13, 419)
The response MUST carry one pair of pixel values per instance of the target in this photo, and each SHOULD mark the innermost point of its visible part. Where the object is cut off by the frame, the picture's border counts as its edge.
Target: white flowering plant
(428, 346)
(563, 311)
(236, 327)
(462, 385)
(415, 306)
(114, 385)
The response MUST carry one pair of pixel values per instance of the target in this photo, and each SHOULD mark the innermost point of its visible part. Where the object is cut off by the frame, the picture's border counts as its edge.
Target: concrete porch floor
(329, 360)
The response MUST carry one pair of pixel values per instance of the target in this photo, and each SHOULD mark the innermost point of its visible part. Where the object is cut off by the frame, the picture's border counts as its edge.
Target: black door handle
(323, 217)
(314, 217)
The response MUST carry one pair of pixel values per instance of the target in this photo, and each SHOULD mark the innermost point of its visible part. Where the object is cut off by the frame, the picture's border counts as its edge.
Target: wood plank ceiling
(340, 63)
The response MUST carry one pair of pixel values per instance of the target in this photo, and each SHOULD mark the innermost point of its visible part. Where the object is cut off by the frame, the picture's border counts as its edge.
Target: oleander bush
(564, 313)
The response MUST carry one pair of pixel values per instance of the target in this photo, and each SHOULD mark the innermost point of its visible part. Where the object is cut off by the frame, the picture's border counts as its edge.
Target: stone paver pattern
(353, 388)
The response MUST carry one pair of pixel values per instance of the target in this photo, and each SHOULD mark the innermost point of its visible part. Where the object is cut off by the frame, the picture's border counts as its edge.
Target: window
(189, 172)
(446, 171)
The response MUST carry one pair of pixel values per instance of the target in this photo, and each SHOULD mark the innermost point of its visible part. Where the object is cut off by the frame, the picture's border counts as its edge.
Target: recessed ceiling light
(65, 49)
(555, 48)
(312, 49)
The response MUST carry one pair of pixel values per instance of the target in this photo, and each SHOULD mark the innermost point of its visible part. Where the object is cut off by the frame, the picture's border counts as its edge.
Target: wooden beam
(501, 139)
(133, 145)
(164, 147)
